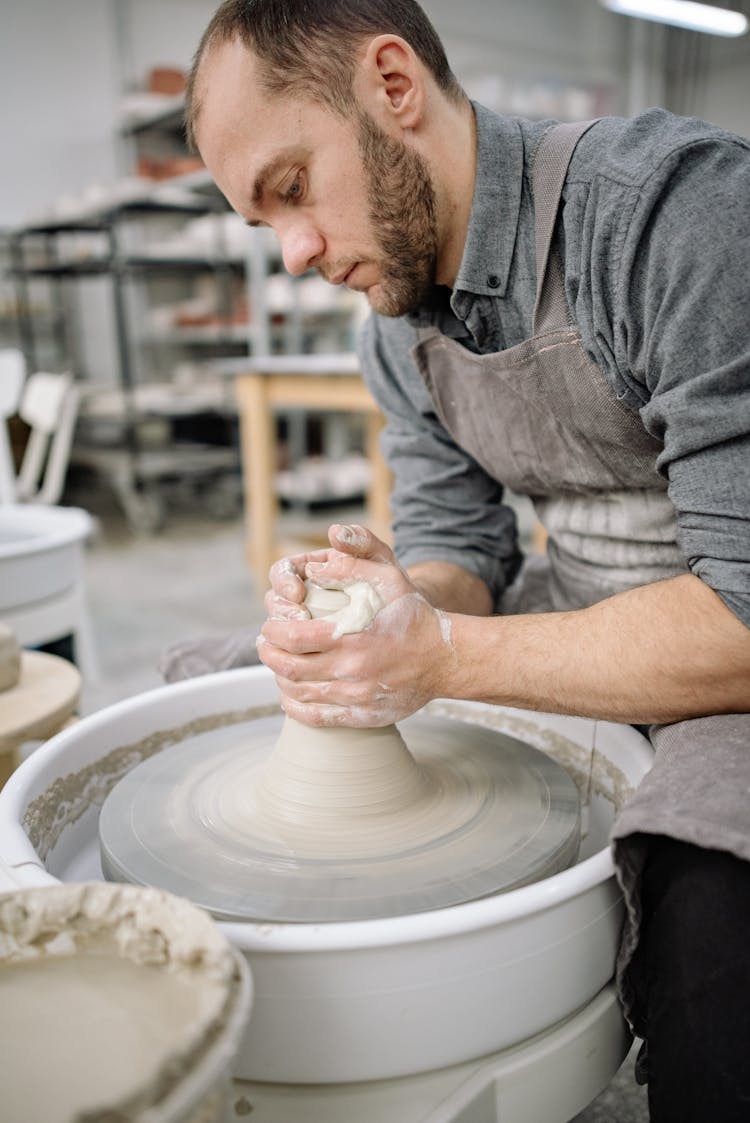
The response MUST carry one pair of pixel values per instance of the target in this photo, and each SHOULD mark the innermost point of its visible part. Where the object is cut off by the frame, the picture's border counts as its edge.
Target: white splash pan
(41, 551)
(362, 1000)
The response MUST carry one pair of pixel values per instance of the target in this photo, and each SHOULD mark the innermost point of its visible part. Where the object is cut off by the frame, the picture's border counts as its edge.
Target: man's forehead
(247, 138)
(233, 105)
(227, 69)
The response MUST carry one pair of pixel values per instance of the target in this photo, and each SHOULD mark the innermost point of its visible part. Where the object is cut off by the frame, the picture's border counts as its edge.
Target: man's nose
(301, 247)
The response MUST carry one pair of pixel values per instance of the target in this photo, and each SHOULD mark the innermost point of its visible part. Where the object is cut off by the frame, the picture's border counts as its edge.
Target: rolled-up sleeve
(444, 506)
(684, 333)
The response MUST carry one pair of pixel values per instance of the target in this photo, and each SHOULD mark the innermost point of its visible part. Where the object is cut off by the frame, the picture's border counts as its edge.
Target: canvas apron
(542, 419)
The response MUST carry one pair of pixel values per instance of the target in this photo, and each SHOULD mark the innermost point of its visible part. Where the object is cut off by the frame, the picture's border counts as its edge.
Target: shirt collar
(493, 222)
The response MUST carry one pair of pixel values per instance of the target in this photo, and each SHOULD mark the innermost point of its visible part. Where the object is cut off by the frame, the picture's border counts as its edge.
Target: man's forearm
(663, 652)
(451, 588)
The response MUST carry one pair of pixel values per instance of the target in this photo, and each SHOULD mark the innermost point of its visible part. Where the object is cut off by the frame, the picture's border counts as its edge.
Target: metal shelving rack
(151, 355)
(136, 472)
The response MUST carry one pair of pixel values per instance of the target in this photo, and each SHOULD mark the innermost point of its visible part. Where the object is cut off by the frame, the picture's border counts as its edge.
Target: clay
(463, 813)
(360, 790)
(338, 822)
(110, 994)
(352, 609)
(96, 1027)
(367, 777)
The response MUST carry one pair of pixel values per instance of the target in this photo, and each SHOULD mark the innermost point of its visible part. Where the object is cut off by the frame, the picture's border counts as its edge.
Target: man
(562, 311)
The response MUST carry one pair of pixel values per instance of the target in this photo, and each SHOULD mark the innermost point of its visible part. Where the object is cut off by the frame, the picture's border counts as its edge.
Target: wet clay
(327, 792)
(109, 995)
(335, 823)
(322, 785)
(93, 1027)
(351, 609)
(463, 813)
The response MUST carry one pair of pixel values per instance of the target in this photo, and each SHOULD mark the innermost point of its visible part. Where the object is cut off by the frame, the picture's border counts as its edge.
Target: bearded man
(561, 310)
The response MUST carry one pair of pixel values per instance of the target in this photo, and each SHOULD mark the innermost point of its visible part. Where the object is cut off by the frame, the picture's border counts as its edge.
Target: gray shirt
(654, 232)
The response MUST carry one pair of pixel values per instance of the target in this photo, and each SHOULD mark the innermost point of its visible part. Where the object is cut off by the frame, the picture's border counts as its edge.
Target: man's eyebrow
(265, 173)
(271, 168)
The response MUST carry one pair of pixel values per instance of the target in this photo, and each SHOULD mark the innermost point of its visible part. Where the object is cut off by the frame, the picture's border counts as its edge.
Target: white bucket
(41, 551)
(117, 1002)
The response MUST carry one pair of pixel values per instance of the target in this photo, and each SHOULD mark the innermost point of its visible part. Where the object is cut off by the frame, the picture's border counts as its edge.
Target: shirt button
(493, 281)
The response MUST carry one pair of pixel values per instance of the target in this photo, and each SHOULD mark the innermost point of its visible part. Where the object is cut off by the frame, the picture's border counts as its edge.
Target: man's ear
(390, 83)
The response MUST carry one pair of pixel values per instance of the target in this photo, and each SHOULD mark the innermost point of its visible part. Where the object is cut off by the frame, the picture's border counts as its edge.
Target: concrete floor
(191, 579)
(146, 593)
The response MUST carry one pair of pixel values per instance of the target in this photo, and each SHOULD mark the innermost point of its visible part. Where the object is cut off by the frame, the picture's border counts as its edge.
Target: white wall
(64, 63)
(58, 90)
(530, 43)
(162, 32)
(728, 93)
(527, 43)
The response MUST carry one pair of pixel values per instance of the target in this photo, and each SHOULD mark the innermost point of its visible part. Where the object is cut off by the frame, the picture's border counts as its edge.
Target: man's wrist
(451, 588)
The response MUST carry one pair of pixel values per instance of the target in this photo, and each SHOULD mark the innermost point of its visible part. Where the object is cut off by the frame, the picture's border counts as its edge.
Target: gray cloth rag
(203, 655)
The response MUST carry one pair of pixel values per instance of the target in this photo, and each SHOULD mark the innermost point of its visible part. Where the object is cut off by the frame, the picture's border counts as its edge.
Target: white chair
(49, 406)
(12, 375)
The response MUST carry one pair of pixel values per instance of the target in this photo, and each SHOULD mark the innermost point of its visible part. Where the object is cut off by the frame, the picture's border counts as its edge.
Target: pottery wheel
(250, 832)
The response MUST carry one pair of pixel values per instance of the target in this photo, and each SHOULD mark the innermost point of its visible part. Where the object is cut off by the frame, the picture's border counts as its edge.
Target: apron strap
(548, 174)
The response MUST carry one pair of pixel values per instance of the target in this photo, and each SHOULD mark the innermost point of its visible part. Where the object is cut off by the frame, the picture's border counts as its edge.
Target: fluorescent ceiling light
(683, 13)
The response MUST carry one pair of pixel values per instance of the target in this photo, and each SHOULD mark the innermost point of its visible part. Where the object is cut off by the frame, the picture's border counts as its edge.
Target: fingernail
(314, 567)
(352, 535)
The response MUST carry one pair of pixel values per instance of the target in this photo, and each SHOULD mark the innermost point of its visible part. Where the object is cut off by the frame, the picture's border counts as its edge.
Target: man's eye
(295, 190)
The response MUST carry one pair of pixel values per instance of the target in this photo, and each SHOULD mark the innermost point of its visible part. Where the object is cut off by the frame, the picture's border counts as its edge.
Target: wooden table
(314, 382)
(42, 702)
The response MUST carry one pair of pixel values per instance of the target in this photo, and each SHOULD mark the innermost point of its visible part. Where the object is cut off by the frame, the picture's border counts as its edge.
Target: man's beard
(403, 219)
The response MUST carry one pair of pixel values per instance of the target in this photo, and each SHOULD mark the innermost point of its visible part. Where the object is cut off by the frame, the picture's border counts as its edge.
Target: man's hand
(370, 678)
(662, 652)
(284, 600)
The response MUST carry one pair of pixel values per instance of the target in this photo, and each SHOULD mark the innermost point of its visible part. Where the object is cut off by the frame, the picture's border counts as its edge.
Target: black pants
(695, 949)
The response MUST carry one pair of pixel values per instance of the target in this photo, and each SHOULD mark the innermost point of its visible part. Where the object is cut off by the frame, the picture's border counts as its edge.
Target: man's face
(343, 197)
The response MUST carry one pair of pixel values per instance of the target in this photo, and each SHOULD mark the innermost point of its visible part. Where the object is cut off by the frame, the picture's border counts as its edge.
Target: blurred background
(161, 374)
(69, 68)
(125, 279)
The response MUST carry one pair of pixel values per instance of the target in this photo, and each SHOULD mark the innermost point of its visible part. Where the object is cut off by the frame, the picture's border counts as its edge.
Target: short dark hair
(308, 47)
